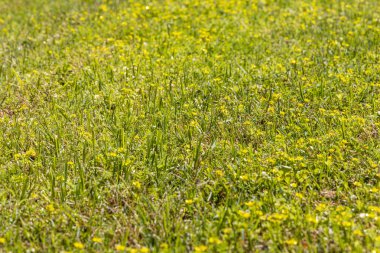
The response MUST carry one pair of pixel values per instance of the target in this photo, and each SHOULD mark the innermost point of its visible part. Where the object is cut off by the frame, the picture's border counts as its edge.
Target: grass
(192, 125)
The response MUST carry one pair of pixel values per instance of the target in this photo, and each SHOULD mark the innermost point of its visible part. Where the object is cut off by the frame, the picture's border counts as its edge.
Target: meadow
(189, 126)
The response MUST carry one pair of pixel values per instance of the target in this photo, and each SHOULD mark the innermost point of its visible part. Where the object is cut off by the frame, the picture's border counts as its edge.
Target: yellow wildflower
(357, 232)
(250, 203)
(97, 239)
(31, 153)
(214, 240)
(219, 173)
(119, 247)
(136, 184)
(291, 242)
(78, 245)
(244, 177)
(201, 248)
(50, 208)
(244, 214)
(144, 250)
(164, 246)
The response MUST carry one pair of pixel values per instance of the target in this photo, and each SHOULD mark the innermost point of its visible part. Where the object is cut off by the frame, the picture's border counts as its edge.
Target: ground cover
(189, 126)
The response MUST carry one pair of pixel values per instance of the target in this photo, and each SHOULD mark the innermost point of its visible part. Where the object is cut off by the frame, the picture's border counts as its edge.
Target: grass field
(189, 126)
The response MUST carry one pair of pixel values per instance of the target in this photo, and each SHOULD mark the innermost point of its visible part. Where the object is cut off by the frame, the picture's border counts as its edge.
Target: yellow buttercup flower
(249, 203)
(201, 248)
(50, 208)
(244, 214)
(78, 245)
(97, 239)
(291, 242)
(144, 250)
(214, 240)
(136, 184)
(164, 246)
(119, 247)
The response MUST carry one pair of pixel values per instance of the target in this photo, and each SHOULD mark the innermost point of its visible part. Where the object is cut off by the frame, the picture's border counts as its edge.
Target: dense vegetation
(189, 125)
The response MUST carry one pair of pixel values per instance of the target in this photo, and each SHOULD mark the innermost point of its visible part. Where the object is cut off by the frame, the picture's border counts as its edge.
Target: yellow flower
(244, 214)
(50, 208)
(136, 184)
(97, 239)
(164, 246)
(312, 219)
(119, 247)
(346, 224)
(219, 173)
(78, 245)
(31, 153)
(111, 154)
(120, 150)
(244, 177)
(127, 162)
(227, 230)
(189, 201)
(103, 7)
(200, 248)
(214, 240)
(374, 208)
(291, 242)
(277, 217)
(358, 232)
(193, 123)
(144, 250)
(2, 240)
(321, 207)
(250, 203)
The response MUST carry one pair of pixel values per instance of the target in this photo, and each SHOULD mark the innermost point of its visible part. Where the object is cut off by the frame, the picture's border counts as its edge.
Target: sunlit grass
(189, 126)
